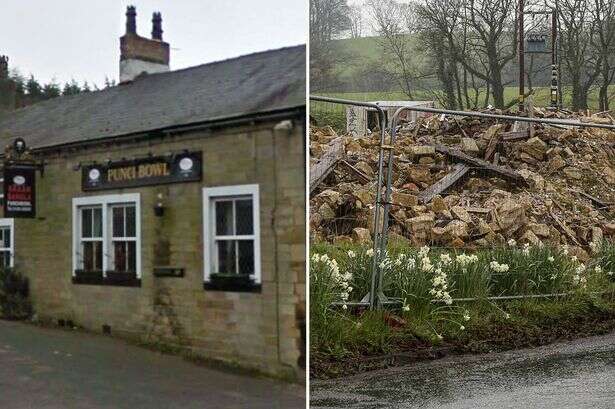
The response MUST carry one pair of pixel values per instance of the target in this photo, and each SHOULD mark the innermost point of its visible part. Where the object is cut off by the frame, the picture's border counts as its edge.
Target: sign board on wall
(19, 192)
(184, 167)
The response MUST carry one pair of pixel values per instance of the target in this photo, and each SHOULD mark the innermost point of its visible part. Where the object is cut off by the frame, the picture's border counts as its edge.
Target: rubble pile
(470, 183)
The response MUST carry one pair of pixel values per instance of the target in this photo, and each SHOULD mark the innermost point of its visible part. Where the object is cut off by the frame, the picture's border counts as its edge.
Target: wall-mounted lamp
(159, 208)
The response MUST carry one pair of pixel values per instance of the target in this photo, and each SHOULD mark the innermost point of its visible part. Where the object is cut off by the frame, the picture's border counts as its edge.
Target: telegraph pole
(521, 57)
(554, 58)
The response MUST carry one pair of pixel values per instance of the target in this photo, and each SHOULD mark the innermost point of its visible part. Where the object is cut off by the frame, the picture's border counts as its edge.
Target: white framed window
(7, 240)
(107, 233)
(231, 231)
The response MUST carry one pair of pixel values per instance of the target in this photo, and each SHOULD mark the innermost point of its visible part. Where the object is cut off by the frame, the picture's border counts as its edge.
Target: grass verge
(431, 322)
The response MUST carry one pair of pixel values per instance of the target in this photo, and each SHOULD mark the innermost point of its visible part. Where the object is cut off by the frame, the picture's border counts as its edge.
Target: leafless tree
(582, 65)
(328, 19)
(394, 21)
(355, 16)
(603, 15)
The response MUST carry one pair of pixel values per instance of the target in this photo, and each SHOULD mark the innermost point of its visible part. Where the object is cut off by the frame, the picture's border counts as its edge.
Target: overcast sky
(65, 39)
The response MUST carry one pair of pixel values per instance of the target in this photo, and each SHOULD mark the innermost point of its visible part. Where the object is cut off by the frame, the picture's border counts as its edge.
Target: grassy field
(335, 114)
(367, 49)
(430, 283)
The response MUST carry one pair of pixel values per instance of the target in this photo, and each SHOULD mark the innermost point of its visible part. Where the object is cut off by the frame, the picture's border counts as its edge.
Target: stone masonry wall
(258, 330)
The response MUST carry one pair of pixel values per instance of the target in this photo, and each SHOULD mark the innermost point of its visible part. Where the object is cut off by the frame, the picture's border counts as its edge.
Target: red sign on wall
(19, 192)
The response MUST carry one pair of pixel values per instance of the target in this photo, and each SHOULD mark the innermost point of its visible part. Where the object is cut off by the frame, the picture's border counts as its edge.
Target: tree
(33, 88)
(71, 88)
(328, 19)
(394, 22)
(437, 22)
(603, 13)
(355, 17)
(51, 90)
(577, 36)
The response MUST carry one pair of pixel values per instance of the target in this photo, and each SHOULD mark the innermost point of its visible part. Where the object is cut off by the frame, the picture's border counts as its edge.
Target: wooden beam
(320, 170)
(597, 202)
(515, 136)
(460, 170)
(565, 229)
(500, 171)
(360, 175)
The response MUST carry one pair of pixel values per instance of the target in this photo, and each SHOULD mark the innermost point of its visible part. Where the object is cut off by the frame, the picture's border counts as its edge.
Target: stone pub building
(169, 209)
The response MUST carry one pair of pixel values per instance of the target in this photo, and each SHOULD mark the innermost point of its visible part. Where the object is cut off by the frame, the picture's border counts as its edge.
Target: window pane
(99, 255)
(97, 222)
(224, 218)
(244, 217)
(119, 256)
(86, 222)
(246, 257)
(132, 256)
(7, 238)
(118, 221)
(131, 222)
(92, 255)
(5, 259)
(226, 256)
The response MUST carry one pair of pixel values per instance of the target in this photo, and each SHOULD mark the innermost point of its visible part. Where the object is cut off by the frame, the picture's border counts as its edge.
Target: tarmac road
(43, 368)
(577, 374)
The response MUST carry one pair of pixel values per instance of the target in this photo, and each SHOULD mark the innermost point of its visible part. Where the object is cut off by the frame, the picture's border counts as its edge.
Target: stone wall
(259, 330)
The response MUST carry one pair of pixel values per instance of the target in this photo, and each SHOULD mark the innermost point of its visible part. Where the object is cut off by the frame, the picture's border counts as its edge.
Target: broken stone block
(438, 204)
(365, 168)
(462, 214)
(422, 150)
(404, 199)
(531, 238)
(331, 197)
(419, 174)
(609, 175)
(456, 229)
(511, 215)
(364, 196)
(469, 146)
(361, 235)
(326, 212)
(451, 200)
(342, 240)
(539, 229)
(556, 163)
(535, 147)
(421, 225)
(573, 173)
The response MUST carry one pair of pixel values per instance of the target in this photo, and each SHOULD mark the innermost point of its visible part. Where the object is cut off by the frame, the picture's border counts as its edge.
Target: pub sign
(19, 192)
(184, 167)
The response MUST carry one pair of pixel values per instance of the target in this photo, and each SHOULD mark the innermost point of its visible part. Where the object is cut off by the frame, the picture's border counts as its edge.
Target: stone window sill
(113, 278)
(232, 283)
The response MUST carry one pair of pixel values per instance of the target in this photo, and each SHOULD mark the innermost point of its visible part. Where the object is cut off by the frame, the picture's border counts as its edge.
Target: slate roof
(258, 83)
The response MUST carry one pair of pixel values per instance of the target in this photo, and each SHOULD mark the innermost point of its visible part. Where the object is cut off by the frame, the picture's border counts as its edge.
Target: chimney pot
(131, 20)
(157, 26)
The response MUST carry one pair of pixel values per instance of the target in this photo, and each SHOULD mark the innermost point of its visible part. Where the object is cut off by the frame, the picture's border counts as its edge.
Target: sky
(74, 39)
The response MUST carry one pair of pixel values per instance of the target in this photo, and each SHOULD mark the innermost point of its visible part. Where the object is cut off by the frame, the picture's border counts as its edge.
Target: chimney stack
(157, 27)
(140, 55)
(131, 20)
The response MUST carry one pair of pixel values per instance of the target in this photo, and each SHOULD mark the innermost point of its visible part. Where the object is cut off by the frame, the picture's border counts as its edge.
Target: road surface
(43, 368)
(577, 374)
